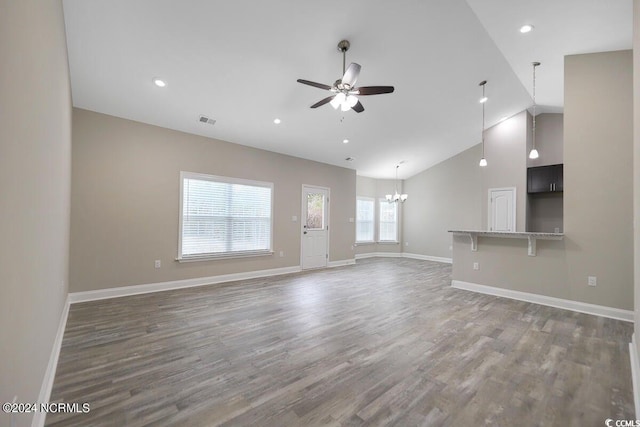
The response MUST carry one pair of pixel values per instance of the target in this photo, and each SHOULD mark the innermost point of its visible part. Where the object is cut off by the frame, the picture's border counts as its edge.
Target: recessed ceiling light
(159, 82)
(277, 121)
(345, 141)
(526, 28)
(483, 99)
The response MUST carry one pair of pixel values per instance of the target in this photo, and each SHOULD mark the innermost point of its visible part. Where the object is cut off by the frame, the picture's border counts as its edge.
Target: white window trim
(214, 178)
(372, 241)
(389, 242)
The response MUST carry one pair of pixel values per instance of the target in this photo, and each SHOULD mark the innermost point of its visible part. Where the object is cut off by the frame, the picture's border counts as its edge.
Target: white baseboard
(580, 307)
(379, 254)
(176, 284)
(341, 263)
(50, 373)
(427, 257)
(635, 372)
(404, 255)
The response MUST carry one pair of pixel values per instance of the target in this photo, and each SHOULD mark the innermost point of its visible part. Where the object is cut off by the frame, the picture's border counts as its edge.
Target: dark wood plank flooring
(385, 342)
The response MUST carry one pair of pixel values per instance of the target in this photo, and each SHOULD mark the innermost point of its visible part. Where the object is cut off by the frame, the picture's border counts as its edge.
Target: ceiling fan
(345, 94)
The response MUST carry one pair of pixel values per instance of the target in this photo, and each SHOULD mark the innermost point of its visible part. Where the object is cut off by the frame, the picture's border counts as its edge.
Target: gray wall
(125, 201)
(597, 199)
(35, 156)
(377, 188)
(598, 176)
(549, 140)
(546, 213)
(505, 151)
(545, 210)
(444, 197)
(636, 162)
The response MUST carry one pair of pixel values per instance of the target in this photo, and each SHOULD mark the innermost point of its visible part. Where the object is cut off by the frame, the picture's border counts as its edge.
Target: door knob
(304, 232)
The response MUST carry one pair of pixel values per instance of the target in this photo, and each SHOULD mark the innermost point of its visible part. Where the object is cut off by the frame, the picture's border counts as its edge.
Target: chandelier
(396, 197)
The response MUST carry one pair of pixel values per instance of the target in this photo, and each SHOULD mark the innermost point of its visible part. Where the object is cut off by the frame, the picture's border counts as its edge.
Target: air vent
(349, 159)
(205, 119)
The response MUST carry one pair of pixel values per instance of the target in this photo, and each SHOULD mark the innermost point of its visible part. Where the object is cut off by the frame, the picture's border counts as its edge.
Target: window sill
(365, 243)
(388, 243)
(213, 257)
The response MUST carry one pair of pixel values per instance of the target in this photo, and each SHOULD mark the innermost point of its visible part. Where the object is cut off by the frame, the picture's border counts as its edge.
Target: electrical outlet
(592, 280)
(294, 218)
(450, 248)
(351, 220)
(476, 266)
(406, 243)
(281, 254)
(158, 263)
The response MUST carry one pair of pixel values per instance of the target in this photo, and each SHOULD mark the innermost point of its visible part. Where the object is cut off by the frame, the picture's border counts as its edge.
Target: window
(365, 208)
(224, 217)
(388, 227)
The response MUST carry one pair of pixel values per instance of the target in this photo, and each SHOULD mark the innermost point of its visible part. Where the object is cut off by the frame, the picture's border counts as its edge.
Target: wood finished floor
(384, 342)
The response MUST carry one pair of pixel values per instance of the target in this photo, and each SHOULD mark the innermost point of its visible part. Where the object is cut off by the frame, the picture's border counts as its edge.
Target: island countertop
(530, 236)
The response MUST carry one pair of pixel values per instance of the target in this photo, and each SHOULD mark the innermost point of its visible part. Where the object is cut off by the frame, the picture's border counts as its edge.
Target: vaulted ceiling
(237, 62)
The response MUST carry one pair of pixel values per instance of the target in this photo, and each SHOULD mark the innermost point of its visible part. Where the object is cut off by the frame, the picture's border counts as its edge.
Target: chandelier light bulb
(483, 162)
(533, 154)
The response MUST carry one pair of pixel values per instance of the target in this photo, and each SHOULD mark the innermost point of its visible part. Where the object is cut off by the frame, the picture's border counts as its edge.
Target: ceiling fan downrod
(343, 47)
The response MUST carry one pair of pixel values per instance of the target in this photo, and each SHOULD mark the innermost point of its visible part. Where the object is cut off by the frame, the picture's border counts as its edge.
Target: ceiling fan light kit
(345, 91)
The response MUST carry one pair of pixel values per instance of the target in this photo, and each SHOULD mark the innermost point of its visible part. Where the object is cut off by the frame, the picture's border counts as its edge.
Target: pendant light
(483, 100)
(396, 197)
(533, 154)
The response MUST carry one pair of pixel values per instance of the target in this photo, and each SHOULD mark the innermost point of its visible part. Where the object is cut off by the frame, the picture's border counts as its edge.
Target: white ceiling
(237, 62)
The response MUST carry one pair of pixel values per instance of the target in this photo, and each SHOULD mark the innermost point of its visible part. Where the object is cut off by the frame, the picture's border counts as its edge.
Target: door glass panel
(315, 211)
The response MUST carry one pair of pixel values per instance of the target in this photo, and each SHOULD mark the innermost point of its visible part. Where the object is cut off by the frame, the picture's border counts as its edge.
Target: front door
(502, 209)
(315, 227)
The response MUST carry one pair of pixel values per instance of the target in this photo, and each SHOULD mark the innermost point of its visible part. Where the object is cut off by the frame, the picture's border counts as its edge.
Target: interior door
(502, 209)
(315, 227)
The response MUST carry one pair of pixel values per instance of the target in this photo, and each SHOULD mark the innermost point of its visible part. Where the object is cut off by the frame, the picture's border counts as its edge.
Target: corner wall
(505, 151)
(376, 189)
(125, 202)
(444, 197)
(35, 170)
(598, 177)
(636, 170)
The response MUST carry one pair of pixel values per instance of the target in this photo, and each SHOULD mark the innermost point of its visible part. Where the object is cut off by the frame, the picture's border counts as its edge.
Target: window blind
(224, 216)
(364, 219)
(388, 231)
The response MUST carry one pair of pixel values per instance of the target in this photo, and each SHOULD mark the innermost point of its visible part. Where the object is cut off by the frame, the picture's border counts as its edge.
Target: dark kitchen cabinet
(545, 179)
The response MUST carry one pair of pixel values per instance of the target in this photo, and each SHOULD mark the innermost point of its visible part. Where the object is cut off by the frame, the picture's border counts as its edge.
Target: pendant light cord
(535, 64)
(483, 121)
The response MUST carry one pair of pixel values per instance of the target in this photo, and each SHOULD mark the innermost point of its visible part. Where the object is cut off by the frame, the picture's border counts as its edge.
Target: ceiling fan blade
(323, 101)
(351, 75)
(314, 84)
(374, 90)
(358, 108)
